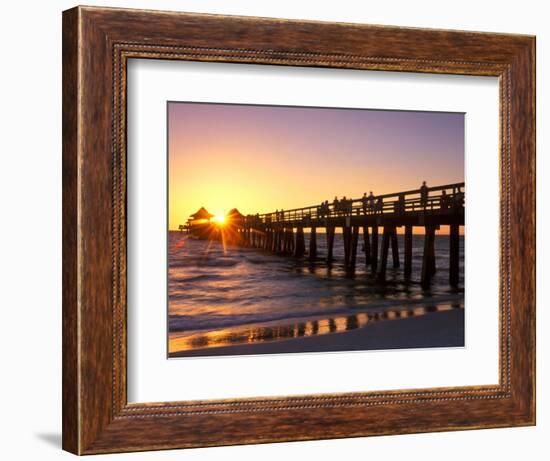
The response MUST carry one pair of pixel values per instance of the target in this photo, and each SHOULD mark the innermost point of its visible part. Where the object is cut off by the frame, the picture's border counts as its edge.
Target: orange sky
(262, 158)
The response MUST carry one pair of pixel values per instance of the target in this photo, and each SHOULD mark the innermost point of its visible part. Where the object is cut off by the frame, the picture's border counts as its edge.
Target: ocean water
(225, 296)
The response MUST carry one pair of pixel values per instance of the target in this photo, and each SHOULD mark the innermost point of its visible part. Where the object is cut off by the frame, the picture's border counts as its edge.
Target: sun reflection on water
(254, 334)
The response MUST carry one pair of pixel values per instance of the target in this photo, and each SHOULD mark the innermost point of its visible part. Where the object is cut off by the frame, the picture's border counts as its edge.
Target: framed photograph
(280, 230)
(245, 283)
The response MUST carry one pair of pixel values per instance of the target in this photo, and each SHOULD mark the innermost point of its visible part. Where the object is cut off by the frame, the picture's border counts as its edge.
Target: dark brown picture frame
(97, 44)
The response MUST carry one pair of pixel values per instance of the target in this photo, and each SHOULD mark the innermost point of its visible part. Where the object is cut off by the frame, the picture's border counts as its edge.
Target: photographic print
(313, 229)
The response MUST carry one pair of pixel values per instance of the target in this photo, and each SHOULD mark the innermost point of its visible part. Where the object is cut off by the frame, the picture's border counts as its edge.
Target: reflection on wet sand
(255, 334)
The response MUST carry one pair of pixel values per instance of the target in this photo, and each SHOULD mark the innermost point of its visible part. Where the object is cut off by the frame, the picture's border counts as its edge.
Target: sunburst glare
(219, 219)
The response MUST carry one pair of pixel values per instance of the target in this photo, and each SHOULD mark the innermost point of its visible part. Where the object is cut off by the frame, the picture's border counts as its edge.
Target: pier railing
(444, 198)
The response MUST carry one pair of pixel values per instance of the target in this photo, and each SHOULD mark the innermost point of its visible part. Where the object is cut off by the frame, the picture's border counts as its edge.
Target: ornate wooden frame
(97, 43)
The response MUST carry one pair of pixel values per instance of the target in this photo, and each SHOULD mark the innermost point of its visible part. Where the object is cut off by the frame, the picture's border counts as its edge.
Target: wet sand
(436, 329)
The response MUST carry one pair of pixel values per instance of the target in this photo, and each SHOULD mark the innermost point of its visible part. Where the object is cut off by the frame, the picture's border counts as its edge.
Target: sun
(219, 219)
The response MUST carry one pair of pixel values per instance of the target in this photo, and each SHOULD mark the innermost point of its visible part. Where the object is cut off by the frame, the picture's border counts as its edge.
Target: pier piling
(374, 250)
(454, 255)
(277, 241)
(353, 250)
(408, 251)
(394, 248)
(346, 234)
(366, 243)
(428, 261)
(300, 243)
(330, 243)
(386, 237)
(313, 244)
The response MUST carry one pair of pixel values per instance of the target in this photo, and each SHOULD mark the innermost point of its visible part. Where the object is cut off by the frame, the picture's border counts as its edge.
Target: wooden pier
(282, 232)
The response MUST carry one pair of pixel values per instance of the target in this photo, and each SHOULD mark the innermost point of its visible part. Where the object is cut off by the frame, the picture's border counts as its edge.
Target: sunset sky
(262, 158)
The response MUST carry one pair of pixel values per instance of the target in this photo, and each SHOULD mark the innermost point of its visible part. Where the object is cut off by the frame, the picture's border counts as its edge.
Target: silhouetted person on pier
(324, 209)
(371, 202)
(365, 202)
(282, 214)
(424, 195)
(336, 205)
(349, 206)
(444, 201)
(459, 198)
(345, 206)
(379, 205)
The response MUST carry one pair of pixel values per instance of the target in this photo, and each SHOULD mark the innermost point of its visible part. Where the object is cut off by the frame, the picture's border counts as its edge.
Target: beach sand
(435, 329)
